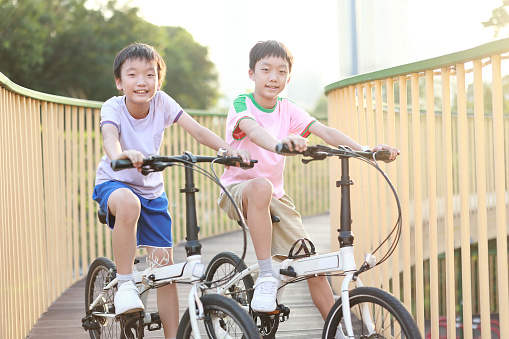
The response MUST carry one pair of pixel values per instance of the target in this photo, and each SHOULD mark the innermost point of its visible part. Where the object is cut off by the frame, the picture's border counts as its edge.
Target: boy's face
(270, 76)
(139, 82)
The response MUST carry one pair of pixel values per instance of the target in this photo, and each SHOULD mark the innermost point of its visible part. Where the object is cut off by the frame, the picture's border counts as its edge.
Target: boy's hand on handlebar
(394, 151)
(135, 156)
(295, 142)
(241, 153)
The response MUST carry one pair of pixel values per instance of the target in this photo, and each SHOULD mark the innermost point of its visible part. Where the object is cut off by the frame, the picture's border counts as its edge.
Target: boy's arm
(336, 138)
(261, 137)
(111, 145)
(333, 137)
(208, 138)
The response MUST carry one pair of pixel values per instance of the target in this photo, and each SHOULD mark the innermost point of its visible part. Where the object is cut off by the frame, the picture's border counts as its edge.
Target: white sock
(122, 278)
(265, 267)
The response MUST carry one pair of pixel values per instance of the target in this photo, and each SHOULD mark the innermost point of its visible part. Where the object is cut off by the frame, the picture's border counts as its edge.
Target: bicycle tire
(100, 273)
(221, 266)
(223, 317)
(389, 316)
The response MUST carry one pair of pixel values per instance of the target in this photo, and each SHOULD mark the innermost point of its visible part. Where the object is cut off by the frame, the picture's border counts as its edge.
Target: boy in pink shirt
(257, 122)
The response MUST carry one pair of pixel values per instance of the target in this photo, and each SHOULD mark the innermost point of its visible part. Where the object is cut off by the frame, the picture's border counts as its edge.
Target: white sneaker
(264, 298)
(127, 299)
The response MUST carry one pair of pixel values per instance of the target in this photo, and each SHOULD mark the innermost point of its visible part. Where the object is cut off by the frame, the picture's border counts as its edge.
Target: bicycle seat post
(193, 246)
(346, 236)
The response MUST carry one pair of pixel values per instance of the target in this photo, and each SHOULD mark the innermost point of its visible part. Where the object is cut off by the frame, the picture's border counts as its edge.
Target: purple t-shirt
(283, 119)
(144, 135)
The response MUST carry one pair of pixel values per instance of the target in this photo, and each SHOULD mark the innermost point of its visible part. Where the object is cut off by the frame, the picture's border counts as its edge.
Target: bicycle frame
(191, 271)
(342, 261)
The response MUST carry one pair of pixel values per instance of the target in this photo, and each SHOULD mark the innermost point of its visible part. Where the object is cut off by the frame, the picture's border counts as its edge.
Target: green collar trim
(270, 110)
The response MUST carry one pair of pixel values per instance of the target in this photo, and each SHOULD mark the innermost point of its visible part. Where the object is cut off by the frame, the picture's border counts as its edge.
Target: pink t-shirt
(284, 119)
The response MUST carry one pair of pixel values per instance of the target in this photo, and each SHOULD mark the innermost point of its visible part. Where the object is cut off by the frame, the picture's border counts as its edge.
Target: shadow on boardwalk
(63, 318)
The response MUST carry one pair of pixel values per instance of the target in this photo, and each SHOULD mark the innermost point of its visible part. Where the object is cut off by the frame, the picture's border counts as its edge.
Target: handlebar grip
(283, 149)
(231, 161)
(251, 164)
(382, 155)
(118, 165)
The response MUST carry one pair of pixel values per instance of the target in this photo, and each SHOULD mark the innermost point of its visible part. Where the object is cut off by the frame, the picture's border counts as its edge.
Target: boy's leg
(167, 296)
(125, 206)
(256, 197)
(321, 293)
(285, 233)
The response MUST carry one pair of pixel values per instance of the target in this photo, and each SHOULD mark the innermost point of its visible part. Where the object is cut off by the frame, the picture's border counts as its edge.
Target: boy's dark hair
(142, 52)
(267, 49)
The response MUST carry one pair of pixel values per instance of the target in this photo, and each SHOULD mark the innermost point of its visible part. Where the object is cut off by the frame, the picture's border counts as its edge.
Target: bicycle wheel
(223, 265)
(100, 321)
(389, 316)
(242, 291)
(223, 318)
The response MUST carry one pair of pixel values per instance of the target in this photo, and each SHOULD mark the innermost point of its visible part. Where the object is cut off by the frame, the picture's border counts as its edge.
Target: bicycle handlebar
(320, 152)
(158, 163)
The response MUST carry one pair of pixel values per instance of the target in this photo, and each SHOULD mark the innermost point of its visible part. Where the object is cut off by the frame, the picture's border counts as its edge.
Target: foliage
(499, 18)
(321, 107)
(62, 47)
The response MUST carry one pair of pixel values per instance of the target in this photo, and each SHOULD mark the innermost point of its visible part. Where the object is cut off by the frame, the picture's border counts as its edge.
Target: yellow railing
(50, 147)
(448, 116)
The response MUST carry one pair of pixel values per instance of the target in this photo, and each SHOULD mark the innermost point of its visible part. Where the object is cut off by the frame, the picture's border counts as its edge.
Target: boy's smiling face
(139, 82)
(270, 76)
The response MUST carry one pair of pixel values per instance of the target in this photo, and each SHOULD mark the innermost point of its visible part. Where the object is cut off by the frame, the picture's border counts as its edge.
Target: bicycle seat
(101, 215)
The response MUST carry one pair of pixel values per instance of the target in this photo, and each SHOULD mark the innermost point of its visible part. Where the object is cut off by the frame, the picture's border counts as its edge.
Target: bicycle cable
(398, 225)
(214, 178)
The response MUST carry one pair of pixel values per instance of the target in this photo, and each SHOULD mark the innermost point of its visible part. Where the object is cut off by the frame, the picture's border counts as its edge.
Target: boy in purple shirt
(257, 122)
(132, 128)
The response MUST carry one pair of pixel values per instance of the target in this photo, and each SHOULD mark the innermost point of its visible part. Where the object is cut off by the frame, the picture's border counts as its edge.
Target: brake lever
(154, 166)
(315, 158)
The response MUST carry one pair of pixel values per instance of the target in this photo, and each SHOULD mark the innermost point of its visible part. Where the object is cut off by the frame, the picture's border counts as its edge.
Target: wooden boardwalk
(63, 317)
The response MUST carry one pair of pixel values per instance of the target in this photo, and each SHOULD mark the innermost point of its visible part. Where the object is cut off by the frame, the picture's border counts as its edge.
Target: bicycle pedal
(155, 322)
(284, 312)
(89, 323)
(131, 324)
(154, 327)
(276, 311)
(130, 316)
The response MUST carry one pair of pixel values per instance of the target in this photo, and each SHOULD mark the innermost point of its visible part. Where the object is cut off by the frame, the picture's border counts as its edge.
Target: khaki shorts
(284, 233)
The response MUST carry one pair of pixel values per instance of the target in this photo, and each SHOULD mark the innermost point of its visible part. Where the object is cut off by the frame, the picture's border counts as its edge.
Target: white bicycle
(363, 312)
(208, 316)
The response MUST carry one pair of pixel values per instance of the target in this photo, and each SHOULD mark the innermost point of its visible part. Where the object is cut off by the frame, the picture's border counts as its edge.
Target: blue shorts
(154, 224)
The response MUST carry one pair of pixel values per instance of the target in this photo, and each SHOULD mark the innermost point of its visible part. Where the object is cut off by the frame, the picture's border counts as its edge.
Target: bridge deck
(63, 318)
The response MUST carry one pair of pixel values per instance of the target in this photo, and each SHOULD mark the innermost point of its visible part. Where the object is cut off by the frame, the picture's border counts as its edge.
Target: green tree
(62, 47)
(198, 87)
(499, 18)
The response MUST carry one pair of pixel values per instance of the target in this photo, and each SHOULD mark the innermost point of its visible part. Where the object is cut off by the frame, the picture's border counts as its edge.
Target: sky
(310, 30)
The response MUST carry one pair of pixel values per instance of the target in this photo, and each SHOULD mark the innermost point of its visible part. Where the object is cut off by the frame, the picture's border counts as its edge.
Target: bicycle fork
(345, 305)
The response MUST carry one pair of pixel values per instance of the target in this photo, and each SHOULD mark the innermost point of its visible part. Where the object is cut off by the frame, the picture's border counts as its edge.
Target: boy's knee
(124, 203)
(261, 187)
